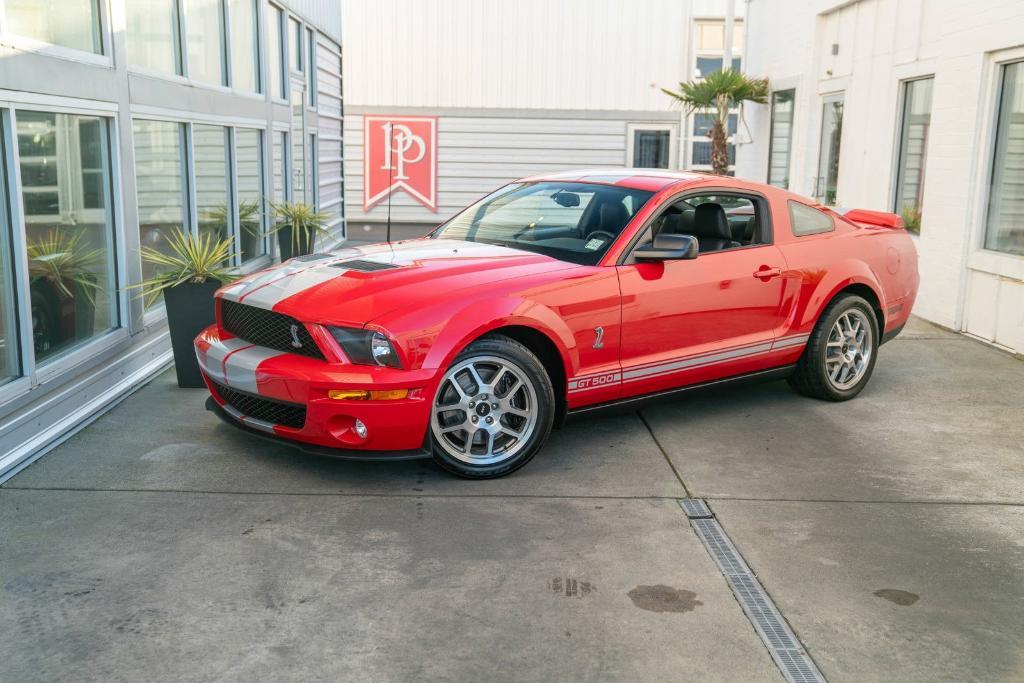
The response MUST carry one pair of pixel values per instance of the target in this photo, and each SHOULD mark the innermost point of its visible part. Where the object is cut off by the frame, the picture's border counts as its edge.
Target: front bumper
(394, 428)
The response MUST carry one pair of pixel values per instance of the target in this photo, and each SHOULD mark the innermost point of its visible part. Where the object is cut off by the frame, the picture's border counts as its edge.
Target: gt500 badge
(594, 381)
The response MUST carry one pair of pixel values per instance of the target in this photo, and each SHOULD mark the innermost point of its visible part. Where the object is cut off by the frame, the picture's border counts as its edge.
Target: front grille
(268, 328)
(275, 412)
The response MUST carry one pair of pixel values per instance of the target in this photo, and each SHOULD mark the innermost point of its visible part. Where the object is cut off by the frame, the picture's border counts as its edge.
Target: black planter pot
(291, 248)
(190, 309)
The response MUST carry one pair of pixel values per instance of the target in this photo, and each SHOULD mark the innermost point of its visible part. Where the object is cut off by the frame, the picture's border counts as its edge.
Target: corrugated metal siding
(324, 14)
(476, 154)
(330, 159)
(537, 54)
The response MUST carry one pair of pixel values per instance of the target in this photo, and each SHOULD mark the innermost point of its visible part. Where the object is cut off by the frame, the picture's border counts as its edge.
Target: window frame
(771, 136)
(996, 103)
(673, 141)
(820, 181)
(759, 199)
(42, 47)
(35, 372)
(901, 105)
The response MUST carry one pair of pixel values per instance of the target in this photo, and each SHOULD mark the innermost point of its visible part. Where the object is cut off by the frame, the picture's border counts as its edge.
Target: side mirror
(667, 247)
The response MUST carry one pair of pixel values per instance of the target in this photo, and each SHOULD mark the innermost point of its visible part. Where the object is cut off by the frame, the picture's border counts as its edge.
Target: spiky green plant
(305, 221)
(911, 218)
(60, 258)
(719, 92)
(187, 258)
(248, 217)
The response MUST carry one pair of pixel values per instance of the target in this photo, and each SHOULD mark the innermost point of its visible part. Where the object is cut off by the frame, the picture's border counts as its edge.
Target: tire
(511, 423)
(836, 366)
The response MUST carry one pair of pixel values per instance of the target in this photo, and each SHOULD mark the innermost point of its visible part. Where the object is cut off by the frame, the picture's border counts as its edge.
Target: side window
(718, 221)
(806, 220)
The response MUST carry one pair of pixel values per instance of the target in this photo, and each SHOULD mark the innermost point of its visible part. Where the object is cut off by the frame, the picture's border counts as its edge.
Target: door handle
(766, 273)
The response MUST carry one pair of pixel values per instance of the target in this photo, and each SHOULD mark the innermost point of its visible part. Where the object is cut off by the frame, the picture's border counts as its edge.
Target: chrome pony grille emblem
(599, 331)
(296, 342)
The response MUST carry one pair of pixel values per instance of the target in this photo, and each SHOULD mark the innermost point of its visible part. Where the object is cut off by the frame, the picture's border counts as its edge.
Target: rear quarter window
(806, 220)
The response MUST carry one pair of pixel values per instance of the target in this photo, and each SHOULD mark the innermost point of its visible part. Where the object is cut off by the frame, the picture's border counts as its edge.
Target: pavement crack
(664, 454)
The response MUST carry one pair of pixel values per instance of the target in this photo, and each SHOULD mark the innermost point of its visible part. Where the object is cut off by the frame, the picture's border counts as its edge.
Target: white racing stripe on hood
(271, 294)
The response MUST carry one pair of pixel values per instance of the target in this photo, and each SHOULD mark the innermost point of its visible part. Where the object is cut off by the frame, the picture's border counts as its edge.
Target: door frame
(673, 141)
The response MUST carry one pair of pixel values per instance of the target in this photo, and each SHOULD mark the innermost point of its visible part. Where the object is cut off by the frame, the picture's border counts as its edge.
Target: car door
(695, 320)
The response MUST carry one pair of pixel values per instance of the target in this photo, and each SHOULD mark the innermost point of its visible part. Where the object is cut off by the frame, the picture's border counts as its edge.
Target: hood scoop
(363, 265)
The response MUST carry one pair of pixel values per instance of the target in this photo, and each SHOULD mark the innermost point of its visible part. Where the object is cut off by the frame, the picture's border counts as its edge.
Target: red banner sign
(400, 153)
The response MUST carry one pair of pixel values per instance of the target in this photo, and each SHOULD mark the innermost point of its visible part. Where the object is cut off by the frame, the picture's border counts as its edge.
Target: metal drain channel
(780, 640)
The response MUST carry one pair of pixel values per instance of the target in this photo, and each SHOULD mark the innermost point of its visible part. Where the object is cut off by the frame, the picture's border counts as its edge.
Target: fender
(843, 274)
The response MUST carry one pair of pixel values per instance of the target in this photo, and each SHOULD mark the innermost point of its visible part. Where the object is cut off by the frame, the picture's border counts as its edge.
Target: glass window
(780, 140)
(204, 20)
(806, 220)
(276, 55)
(9, 365)
(1005, 230)
(312, 175)
(280, 152)
(311, 71)
(298, 151)
(69, 228)
(651, 148)
(295, 38)
(913, 150)
(702, 124)
(152, 34)
(210, 160)
(160, 183)
(708, 65)
(702, 153)
(245, 54)
(68, 23)
(249, 169)
(828, 156)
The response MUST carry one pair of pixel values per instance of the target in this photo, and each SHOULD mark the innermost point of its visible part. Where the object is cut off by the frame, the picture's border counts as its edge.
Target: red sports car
(556, 296)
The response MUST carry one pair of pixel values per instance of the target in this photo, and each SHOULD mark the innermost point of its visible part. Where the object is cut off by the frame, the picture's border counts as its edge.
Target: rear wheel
(493, 410)
(841, 353)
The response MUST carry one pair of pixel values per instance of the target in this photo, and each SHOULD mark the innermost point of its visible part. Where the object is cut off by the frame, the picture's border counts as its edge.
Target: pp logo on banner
(400, 152)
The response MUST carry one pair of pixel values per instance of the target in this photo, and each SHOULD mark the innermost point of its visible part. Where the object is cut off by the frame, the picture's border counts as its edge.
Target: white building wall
(881, 43)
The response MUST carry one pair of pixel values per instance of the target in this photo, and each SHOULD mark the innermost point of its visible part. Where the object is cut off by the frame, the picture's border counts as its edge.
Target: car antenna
(391, 174)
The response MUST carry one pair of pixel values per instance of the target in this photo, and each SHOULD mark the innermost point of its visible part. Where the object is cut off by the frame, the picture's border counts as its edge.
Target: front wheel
(493, 410)
(841, 353)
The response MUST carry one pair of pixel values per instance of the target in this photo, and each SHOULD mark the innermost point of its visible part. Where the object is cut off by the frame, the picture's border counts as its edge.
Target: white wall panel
(330, 158)
(528, 54)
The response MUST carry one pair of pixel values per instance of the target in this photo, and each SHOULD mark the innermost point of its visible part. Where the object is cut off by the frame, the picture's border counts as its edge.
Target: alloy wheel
(485, 410)
(848, 349)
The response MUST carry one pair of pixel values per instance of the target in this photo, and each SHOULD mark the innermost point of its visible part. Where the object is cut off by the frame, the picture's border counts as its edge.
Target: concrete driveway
(889, 531)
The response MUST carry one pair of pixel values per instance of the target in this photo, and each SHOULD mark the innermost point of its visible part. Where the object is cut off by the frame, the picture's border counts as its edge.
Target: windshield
(574, 222)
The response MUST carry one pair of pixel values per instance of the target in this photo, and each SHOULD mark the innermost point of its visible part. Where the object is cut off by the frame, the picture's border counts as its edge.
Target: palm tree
(720, 91)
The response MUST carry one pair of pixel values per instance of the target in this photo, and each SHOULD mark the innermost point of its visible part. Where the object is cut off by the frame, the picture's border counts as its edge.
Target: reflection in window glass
(276, 54)
(312, 175)
(295, 38)
(160, 183)
(280, 152)
(152, 34)
(780, 140)
(805, 220)
(249, 166)
(1005, 230)
(709, 65)
(68, 23)
(9, 366)
(298, 152)
(702, 153)
(210, 160)
(245, 56)
(69, 230)
(828, 154)
(913, 150)
(204, 20)
(702, 124)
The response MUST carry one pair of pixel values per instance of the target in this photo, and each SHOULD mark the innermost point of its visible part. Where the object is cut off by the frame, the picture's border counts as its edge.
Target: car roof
(651, 179)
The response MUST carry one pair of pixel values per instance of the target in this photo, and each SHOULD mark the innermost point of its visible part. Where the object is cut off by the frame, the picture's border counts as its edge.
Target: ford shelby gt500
(556, 296)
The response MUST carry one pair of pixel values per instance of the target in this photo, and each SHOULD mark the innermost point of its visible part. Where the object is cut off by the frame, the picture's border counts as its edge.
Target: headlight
(366, 347)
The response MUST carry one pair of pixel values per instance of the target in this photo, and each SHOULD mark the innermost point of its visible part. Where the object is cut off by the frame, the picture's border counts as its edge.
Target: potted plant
(190, 269)
(720, 91)
(911, 218)
(297, 226)
(63, 285)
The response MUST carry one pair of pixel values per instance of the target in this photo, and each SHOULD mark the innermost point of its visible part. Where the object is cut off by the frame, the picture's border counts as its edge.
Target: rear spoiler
(866, 217)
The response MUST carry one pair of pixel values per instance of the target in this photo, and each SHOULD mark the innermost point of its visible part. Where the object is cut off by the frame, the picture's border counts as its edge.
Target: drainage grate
(782, 643)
